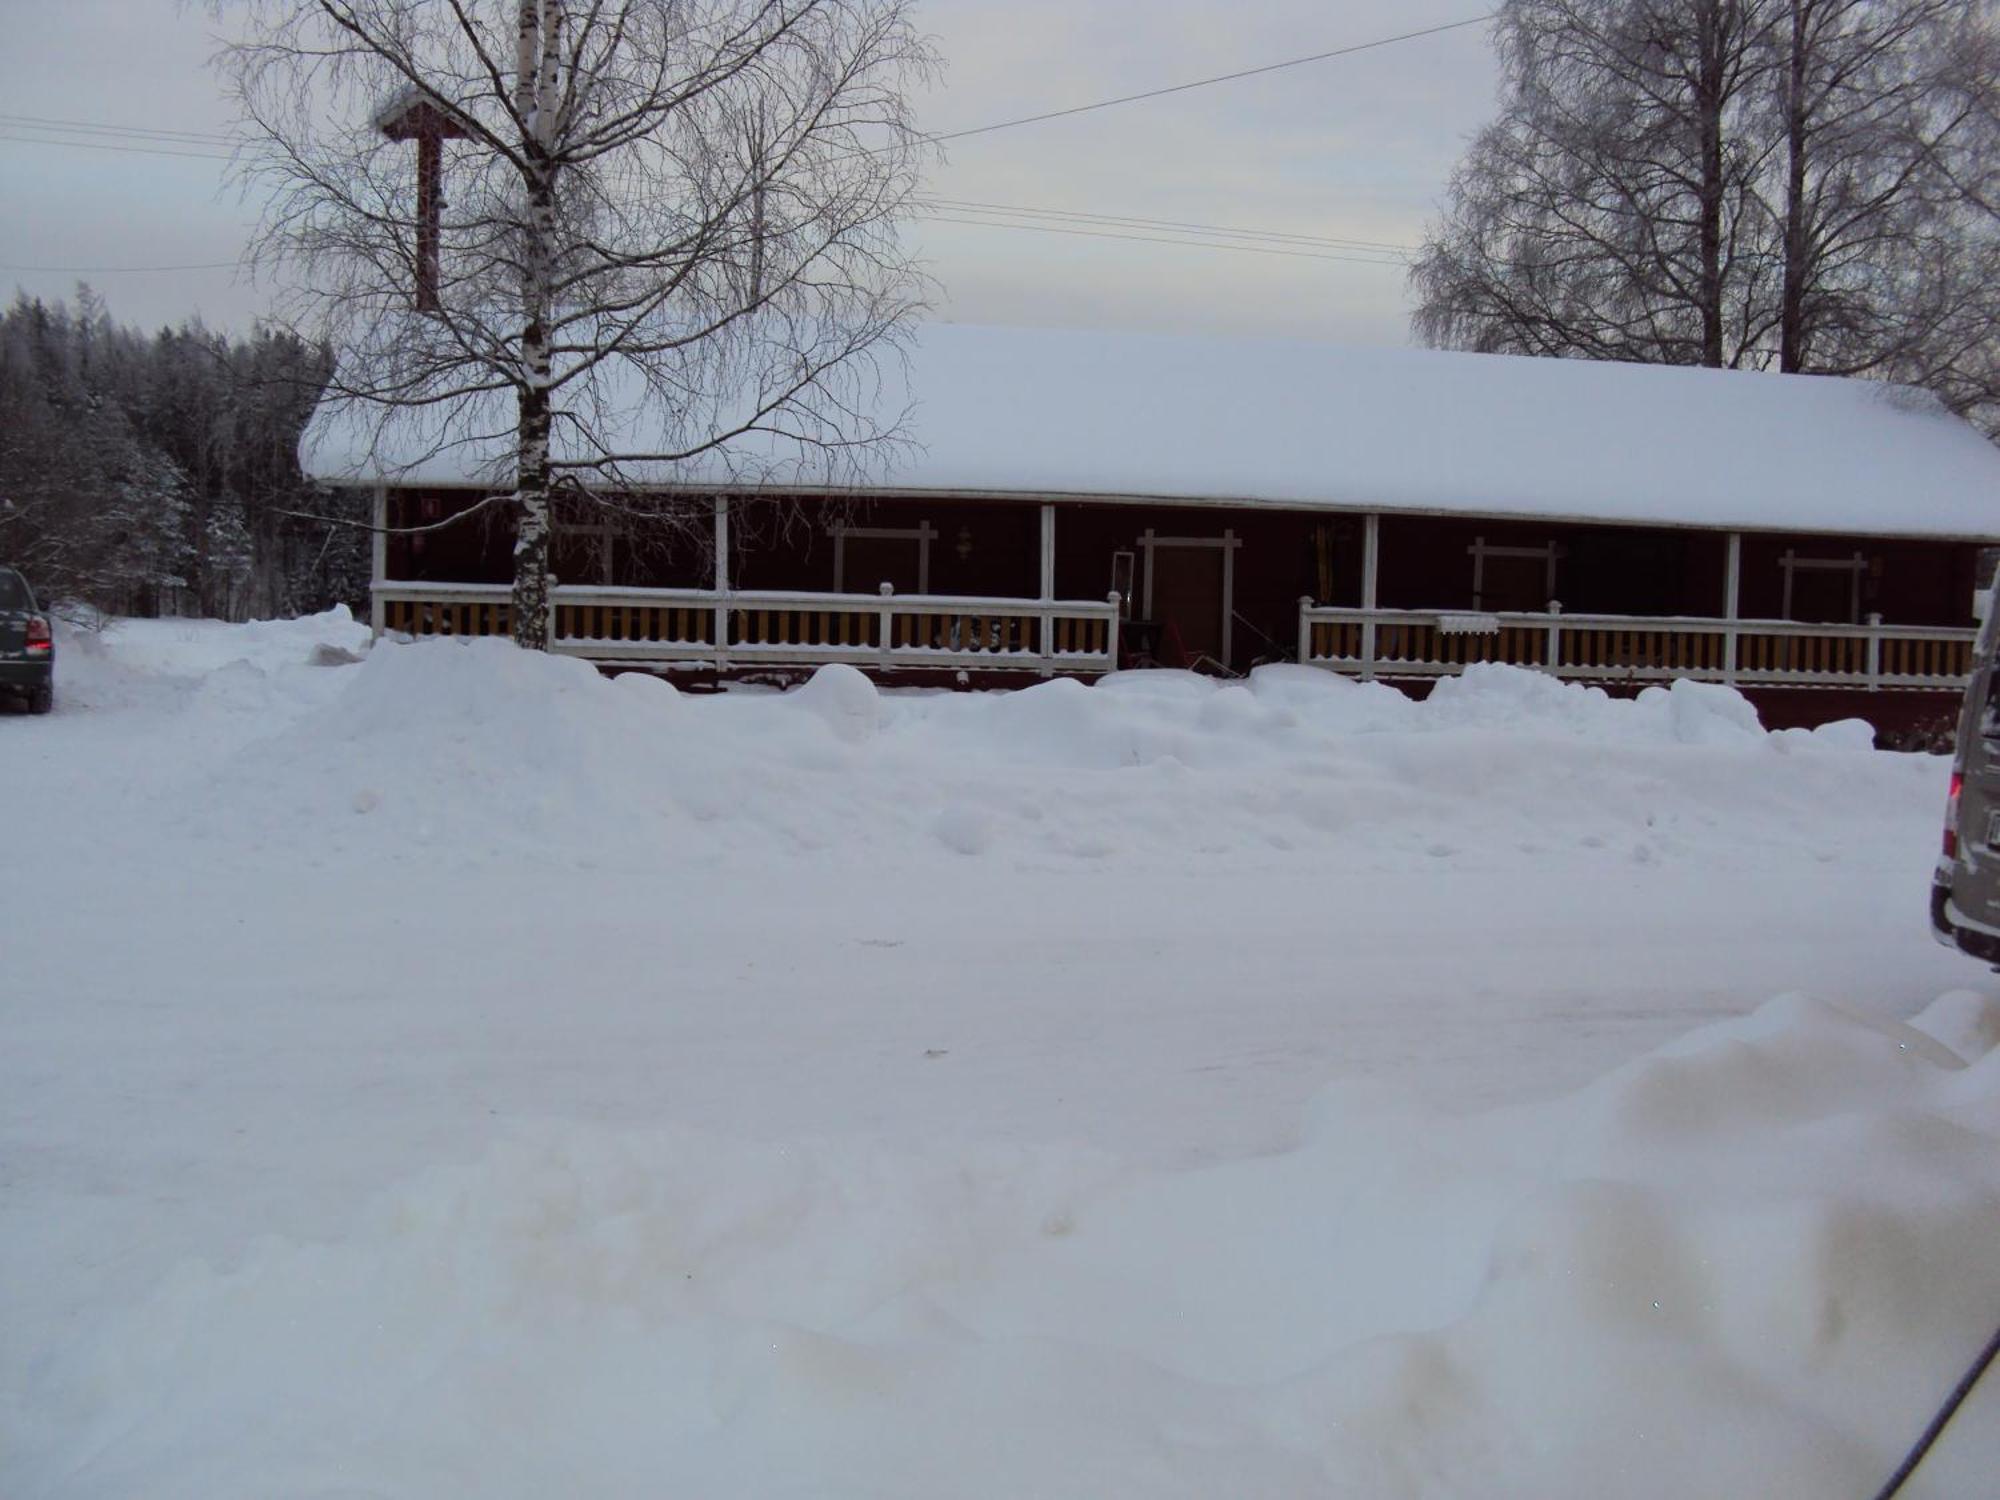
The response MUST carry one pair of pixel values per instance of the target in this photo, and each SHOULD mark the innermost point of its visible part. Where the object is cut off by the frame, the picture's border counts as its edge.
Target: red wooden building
(1084, 501)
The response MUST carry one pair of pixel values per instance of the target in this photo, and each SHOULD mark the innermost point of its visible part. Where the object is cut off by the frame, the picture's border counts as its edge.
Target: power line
(1331, 242)
(1148, 239)
(100, 127)
(1200, 242)
(984, 215)
(109, 147)
(1071, 231)
(205, 138)
(212, 265)
(989, 215)
(1202, 83)
(1103, 227)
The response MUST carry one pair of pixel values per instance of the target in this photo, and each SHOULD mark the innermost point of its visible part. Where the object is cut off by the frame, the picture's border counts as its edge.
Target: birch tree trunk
(1792, 298)
(534, 90)
(1711, 106)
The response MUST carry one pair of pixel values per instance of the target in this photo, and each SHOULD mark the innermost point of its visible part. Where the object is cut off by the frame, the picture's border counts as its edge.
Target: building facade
(1085, 502)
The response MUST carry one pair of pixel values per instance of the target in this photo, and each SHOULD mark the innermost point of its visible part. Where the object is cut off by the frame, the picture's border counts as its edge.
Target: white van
(1965, 894)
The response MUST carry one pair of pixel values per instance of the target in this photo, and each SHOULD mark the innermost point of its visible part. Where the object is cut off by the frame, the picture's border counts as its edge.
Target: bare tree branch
(666, 227)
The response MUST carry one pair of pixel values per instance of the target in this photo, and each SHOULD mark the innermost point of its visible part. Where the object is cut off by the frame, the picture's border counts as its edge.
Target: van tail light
(1951, 815)
(39, 639)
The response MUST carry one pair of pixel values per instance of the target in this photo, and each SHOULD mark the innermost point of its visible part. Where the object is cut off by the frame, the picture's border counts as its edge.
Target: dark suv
(27, 645)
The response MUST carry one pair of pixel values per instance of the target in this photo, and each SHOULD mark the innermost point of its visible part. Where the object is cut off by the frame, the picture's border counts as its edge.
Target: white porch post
(721, 580)
(378, 565)
(1732, 591)
(1048, 587)
(1371, 557)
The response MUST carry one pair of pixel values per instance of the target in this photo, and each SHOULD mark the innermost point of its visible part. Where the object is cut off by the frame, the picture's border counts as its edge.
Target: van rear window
(13, 592)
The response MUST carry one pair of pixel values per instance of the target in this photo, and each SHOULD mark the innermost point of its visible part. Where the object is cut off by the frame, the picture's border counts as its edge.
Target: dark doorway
(865, 559)
(1186, 587)
(1825, 594)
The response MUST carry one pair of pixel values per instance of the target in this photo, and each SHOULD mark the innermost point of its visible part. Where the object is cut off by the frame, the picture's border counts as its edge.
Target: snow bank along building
(1081, 502)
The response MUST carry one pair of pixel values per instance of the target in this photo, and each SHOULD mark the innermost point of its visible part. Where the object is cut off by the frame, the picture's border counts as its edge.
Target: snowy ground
(457, 1075)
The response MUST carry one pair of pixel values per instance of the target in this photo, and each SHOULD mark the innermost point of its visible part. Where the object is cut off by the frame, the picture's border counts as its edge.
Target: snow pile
(475, 742)
(1686, 713)
(456, 1073)
(125, 651)
(1750, 1263)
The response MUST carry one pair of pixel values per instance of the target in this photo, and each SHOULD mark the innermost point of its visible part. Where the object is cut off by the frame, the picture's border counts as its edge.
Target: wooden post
(415, 116)
(430, 169)
(1874, 652)
(721, 581)
(1228, 599)
(1731, 597)
(887, 616)
(1371, 557)
(379, 559)
(1305, 630)
(1553, 661)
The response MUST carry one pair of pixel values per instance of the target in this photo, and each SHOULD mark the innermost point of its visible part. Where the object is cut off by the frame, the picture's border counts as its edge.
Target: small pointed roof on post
(412, 113)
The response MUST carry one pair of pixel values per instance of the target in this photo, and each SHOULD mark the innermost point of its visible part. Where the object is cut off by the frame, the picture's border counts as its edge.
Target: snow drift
(462, 1074)
(1748, 1264)
(474, 741)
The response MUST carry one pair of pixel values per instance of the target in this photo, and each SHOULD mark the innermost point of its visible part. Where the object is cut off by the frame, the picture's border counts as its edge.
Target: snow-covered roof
(1294, 424)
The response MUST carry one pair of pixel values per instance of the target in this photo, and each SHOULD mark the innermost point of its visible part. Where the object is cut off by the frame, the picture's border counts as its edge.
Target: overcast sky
(1354, 148)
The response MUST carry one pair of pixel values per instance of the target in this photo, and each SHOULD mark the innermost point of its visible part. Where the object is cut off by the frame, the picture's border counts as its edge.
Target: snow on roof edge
(1287, 424)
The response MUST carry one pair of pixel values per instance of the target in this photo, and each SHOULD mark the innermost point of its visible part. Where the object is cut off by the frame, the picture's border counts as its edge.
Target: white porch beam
(378, 565)
(721, 544)
(721, 580)
(1371, 564)
(1046, 625)
(1732, 599)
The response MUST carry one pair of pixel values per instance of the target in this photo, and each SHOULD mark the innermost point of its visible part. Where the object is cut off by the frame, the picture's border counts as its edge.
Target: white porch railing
(1406, 643)
(747, 628)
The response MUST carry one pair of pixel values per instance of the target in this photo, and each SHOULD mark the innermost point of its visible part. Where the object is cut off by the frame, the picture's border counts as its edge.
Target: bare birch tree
(1610, 212)
(1762, 183)
(636, 232)
(1877, 110)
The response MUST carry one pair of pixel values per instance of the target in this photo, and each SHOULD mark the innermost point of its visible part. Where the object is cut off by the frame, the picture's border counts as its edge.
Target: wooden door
(1187, 595)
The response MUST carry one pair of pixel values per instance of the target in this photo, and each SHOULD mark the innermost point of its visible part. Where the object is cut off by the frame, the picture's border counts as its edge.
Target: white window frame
(1856, 566)
(1480, 550)
(923, 535)
(601, 530)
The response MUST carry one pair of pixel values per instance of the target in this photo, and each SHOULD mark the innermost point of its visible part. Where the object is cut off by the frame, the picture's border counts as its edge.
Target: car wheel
(42, 699)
